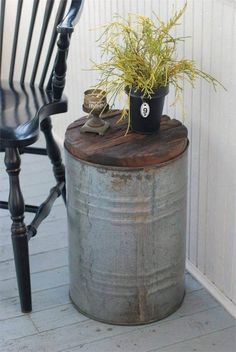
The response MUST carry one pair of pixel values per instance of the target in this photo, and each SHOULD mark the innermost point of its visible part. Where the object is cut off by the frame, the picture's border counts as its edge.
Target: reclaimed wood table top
(132, 150)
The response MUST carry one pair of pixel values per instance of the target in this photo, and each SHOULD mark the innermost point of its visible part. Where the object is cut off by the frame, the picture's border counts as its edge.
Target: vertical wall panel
(195, 135)
(206, 60)
(231, 175)
(214, 143)
(228, 178)
(187, 101)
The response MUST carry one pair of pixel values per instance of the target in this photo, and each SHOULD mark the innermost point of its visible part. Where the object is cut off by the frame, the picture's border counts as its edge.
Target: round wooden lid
(133, 150)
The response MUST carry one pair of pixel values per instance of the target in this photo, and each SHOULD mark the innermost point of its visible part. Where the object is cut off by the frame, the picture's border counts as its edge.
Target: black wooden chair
(25, 109)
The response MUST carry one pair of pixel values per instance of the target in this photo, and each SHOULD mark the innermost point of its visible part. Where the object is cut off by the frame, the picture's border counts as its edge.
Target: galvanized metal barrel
(127, 231)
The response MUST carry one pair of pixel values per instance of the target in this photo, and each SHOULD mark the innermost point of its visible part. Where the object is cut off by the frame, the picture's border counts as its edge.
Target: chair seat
(22, 108)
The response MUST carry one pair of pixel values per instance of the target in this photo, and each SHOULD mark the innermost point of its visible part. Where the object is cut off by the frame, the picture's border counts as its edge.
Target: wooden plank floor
(201, 324)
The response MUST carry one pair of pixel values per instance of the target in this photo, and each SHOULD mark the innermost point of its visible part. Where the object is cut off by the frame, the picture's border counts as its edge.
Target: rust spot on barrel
(119, 180)
(143, 306)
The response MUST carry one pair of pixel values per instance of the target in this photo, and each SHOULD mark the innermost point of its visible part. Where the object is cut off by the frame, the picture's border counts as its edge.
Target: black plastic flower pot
(145, 113)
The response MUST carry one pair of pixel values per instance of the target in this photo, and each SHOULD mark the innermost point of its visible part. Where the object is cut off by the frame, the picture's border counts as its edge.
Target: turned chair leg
(18, 229)
(54, 153)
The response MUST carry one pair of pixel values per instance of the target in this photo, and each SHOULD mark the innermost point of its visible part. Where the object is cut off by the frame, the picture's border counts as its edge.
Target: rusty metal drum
(127, 232)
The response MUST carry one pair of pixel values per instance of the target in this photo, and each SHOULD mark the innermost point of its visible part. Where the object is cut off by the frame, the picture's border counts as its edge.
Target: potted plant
(139, 56)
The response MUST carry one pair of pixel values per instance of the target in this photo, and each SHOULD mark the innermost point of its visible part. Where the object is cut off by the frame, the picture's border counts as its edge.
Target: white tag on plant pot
(145, 110)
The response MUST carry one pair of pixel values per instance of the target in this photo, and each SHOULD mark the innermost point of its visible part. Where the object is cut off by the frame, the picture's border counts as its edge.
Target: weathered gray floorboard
(97, 337)
(53, 297)
(38, 262)
(191, 284)
(37, 245)
(15, 328)
(65, 337)
(39, 281)
(155, 336)
(56, 317)
(220, 341)
(196, 301)
(42, 300)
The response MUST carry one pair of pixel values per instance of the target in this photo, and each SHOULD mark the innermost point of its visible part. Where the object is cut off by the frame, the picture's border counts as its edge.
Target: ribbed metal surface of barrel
(127, 231)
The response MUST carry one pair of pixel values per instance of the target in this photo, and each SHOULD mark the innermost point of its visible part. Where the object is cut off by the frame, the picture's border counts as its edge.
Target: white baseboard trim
(214, 291)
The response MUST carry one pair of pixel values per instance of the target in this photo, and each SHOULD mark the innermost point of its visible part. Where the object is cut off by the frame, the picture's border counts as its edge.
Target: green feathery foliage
(141, 53)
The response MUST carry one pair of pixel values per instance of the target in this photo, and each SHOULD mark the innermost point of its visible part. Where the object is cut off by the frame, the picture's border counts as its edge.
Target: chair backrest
(39, 19)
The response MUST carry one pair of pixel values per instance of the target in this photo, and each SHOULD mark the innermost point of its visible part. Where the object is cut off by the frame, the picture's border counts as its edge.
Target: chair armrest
(65, 29)
(71, 18)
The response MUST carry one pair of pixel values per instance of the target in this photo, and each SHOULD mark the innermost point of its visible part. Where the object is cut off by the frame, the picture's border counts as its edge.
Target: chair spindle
(2, 16)
(47, 15)
(29, 39)
(59, 16)
(15, 41)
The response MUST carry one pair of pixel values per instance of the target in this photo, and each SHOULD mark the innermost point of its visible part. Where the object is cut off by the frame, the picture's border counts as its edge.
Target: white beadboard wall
(209, 116)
